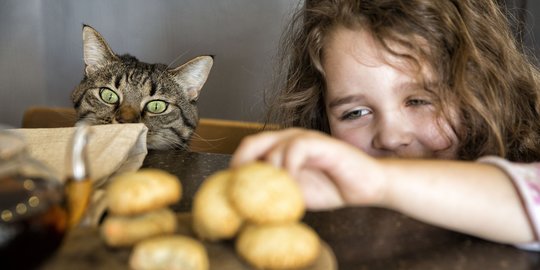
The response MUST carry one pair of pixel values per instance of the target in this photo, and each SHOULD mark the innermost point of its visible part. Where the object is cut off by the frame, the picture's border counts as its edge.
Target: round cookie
(128, 230)
(278, 246)
(214, 218)
(171, 252)
(141, 191)
(263, 193)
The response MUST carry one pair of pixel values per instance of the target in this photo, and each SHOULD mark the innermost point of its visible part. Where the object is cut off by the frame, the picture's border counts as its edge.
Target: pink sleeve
(526, 179)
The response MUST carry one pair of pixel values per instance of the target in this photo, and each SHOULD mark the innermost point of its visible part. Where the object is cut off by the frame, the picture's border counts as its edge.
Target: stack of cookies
(139, 216)
(138, 206)
(261, 206)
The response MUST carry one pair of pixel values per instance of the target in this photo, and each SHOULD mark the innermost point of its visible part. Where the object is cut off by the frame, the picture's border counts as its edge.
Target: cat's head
(121, 89)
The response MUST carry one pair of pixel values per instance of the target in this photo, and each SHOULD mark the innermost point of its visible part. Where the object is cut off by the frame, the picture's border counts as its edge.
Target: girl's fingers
(276, 154)
(255, 147)
(295, 156)
(320, 192)
(311, 150)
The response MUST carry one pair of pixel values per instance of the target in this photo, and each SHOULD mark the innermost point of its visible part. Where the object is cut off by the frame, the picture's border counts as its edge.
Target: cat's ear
(193, 74)
(95, 50)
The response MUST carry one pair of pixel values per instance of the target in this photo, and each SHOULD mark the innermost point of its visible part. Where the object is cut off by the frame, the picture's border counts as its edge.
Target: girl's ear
(95, 50)
(192, 75)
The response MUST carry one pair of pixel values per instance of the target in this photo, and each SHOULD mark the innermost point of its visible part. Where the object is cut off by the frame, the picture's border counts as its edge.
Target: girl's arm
(470, 197)
(473, 198)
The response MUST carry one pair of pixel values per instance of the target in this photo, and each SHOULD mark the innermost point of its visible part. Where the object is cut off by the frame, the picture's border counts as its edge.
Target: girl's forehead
(360, 45)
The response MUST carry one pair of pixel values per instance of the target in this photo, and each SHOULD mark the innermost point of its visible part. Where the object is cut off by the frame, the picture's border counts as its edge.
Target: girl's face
(377, 107)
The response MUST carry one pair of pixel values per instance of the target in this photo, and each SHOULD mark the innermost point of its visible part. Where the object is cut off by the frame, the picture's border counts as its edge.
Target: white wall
(41, 48)
(532, 28)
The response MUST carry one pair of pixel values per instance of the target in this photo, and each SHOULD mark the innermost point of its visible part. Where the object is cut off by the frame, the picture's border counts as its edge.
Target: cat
(121, 89)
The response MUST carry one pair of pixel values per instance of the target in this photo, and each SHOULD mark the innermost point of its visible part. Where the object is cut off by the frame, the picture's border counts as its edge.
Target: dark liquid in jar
(26, 240)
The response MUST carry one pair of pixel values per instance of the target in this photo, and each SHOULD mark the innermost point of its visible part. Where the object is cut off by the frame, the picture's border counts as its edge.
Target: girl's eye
(108, 95)
(355, 114)
(417, 102)
(156, 106)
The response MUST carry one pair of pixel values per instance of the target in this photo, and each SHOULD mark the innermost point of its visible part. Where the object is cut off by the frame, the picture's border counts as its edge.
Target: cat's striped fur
(121, 89)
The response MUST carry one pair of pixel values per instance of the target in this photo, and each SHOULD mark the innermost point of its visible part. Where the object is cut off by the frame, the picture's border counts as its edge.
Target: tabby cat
(122, 89)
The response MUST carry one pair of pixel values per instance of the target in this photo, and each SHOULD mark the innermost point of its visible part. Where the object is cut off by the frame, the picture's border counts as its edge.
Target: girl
(440, 83)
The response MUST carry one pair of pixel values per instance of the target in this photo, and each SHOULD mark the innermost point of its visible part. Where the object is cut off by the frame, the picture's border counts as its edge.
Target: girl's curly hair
(482, 71)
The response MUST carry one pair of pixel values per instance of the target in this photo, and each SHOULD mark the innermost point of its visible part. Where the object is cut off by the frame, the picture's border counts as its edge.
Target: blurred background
(41, 46)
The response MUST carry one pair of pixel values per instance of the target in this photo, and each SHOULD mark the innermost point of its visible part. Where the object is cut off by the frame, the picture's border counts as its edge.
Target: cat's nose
(127, 115)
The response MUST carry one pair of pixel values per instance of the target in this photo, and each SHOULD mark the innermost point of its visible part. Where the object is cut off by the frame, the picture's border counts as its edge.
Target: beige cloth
(111, 149)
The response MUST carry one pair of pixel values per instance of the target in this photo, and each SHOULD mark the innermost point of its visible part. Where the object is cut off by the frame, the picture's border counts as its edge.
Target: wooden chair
(48, 117)
(211, 135)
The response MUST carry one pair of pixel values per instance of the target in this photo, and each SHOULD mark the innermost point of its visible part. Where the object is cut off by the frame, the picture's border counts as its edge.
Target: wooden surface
(359, 237)
(84, 249)
(366, 237)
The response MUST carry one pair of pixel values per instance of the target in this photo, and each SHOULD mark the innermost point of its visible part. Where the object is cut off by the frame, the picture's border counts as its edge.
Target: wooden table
(365, 238)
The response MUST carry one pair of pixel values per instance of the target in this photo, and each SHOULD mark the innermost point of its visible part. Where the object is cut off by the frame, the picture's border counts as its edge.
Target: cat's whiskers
(166, 141)
(199, 138)
(171, 63)
(176, 59)
(210, 143)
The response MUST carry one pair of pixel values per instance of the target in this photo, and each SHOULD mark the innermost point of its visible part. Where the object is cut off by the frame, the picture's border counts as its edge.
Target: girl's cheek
(442, 139)
(355, 137)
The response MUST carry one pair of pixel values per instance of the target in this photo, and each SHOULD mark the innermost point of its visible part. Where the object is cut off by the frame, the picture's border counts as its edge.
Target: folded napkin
(111, 149)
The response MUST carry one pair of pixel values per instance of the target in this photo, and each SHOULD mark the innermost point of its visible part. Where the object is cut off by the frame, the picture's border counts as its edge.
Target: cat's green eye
(108, 95)
(156, 106)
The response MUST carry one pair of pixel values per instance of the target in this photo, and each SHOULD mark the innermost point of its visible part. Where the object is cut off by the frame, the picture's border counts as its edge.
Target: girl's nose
(392, 135)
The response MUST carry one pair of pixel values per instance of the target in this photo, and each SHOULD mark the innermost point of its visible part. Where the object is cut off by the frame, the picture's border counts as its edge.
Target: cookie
(263, 193)
(142, 191)
(214, 218)
(278, 246)
(171, 252)
(127, 230)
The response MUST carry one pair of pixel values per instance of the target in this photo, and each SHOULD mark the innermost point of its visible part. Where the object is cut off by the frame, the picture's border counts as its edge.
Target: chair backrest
(49, 117)
(222, 136)
(211, 135)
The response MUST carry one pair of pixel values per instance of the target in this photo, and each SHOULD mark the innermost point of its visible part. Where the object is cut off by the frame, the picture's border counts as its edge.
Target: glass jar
(33, 219)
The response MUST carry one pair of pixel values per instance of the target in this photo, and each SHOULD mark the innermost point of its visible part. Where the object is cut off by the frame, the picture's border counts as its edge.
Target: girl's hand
(330, 172)
(468, 197)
